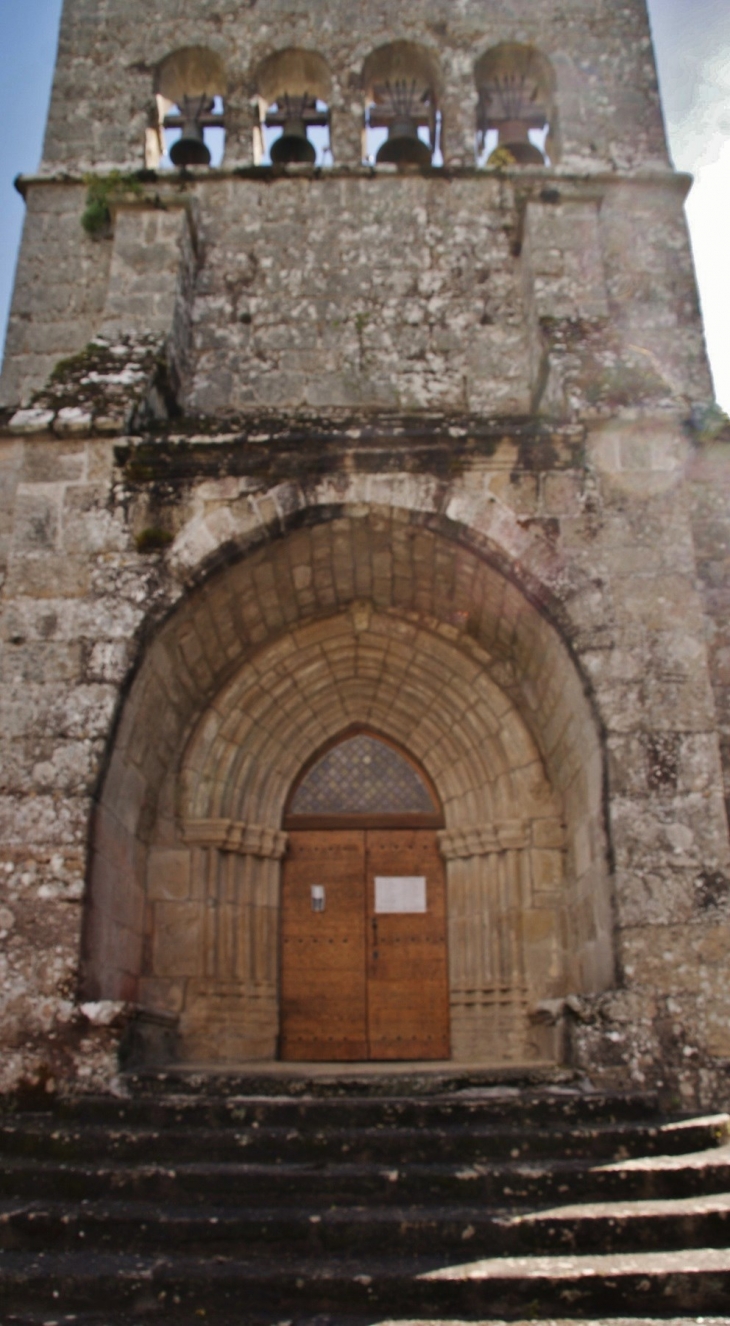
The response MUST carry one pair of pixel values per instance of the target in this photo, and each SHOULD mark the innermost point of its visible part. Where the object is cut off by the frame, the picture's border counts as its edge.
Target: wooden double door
(364, 967)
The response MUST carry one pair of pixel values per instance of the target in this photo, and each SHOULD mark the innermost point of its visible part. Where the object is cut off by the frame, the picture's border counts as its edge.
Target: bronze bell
(294, 114)
(293, 146)
(512, 104)
(190, 149)
(402, 110)
(403, 147)
(514, 139)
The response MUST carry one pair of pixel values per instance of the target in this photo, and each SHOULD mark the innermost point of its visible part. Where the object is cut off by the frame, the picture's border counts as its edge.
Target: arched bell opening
(516, 114)
(402, 127)
(189, 126)
(249, 679)
(293, 90)
(364, 941)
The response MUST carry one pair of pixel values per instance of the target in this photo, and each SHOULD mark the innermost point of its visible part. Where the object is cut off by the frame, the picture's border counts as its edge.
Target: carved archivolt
(243, 839)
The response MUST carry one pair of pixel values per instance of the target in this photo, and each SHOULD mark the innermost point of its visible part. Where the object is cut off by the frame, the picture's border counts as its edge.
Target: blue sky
(692, 39)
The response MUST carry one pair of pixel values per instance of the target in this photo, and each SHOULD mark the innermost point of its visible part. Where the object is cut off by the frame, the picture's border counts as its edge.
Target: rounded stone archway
(366, 619)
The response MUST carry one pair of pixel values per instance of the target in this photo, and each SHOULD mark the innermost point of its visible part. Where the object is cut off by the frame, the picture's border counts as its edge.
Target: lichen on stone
(106, 382)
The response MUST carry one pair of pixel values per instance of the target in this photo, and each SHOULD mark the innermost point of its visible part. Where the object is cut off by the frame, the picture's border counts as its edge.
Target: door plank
(407, 964)
(323, 991)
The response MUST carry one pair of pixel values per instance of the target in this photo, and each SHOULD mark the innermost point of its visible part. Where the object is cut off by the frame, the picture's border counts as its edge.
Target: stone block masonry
(288, 451)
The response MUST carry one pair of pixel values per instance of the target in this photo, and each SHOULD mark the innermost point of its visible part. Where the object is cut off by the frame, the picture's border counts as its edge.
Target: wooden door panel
(401, 963)
(406, 1021)
(356, 984)
(407, 988)
(323, 990)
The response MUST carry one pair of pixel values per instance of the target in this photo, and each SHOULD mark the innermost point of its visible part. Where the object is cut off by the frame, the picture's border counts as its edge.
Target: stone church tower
(364, 638)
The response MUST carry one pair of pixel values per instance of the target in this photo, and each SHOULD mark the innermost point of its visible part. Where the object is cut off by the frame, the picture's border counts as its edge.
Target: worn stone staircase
(243, 1200)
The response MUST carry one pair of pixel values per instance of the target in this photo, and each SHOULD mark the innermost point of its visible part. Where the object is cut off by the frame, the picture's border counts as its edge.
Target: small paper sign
(400, 893)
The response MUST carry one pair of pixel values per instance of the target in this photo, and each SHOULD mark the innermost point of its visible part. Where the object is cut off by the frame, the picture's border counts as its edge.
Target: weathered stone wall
(60, 290)
(709, 478)
(432, 317)
(325, 417)
(466, 292)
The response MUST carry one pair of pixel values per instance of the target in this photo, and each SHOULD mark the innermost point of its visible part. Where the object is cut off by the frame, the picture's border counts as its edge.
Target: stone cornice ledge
(166, 188)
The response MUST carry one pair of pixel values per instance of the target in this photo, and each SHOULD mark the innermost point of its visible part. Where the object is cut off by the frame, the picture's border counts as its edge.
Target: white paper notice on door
(400, 893)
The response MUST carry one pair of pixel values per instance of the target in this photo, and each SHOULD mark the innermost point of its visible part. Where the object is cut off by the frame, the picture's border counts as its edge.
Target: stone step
(373, 1080)
(362, 1207)
(200, 1182)
(428, 1287)
(385, 1144)
(138, 1227)
(190, 1317)
(469, 1105)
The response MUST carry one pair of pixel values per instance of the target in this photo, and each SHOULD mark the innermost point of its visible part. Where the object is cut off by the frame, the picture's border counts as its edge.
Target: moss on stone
(153, 539)
(96, 217)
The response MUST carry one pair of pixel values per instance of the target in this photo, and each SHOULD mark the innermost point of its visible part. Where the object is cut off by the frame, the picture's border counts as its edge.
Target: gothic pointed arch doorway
(183, 913)
(364, 965)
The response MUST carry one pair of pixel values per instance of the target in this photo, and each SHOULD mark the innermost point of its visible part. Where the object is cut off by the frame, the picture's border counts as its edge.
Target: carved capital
(500, 836)
(232, 836)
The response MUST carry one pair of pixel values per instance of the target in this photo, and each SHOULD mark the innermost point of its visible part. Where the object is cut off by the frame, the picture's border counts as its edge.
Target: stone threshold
(378, 1078)
(412, 1078)
(369, 1068)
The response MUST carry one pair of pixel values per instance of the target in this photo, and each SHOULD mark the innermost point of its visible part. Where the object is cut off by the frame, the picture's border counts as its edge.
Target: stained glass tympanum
(362, 776)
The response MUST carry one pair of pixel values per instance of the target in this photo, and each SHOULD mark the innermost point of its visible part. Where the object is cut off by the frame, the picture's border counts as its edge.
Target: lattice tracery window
(362, 776)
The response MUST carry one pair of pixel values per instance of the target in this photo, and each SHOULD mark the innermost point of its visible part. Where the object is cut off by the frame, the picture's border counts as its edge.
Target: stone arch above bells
(191, 71)
(516, 106)
(401, 83)
(190, 85)
(293, 88)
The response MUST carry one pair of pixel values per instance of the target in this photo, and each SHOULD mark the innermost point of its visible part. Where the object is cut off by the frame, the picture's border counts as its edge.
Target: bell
(514, 138)
(190, 148)
(400, 105)
(403, 147)
(293, 146)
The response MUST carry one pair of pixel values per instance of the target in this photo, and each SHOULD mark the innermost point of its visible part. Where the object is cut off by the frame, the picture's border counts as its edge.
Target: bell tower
(355, 408)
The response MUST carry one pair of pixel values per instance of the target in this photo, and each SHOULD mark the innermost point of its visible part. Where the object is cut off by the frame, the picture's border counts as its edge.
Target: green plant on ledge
(96, 217)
